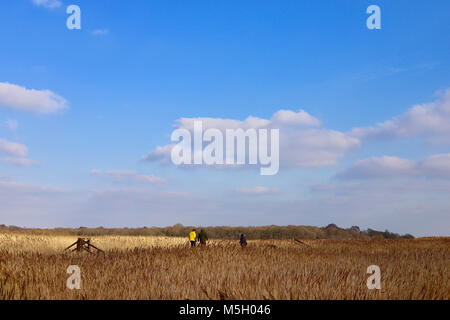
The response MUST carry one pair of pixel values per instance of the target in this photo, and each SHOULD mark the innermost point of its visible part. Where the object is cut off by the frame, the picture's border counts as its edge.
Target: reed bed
(159, 268)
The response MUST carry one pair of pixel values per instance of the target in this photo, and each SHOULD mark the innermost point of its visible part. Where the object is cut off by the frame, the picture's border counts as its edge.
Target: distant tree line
(331, 231)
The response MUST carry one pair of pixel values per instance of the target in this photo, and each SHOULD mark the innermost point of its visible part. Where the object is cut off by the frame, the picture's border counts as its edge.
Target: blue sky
(136, 67)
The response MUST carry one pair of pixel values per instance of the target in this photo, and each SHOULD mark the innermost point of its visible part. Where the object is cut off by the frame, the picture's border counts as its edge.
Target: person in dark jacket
(203, 237)
(243, 240)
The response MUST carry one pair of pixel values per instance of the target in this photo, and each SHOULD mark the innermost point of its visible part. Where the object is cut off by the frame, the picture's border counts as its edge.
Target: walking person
(203, 237)
(193, 237)
(243, 240)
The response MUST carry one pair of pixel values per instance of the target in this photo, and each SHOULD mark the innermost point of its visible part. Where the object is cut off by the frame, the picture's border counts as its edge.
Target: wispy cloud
(13, 148)
(100, 32)
(127, 176)
(258, 190)
(50, 4)
(21, 162)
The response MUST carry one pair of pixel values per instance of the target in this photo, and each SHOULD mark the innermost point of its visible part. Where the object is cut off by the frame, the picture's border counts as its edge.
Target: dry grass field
(34, 267)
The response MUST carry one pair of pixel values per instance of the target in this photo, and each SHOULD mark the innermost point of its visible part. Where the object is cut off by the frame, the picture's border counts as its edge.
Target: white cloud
(48, 3)
(21, 162)
(279, 118)
(12, 148)
(100, 32)
(434, 166)
(437, 165)
(303, 143)
(431, 120)
(257, 190)
(295, 118)
(222, 124)
(314, 147)
(160, 154)
(12, 124)
(126, 176)
(39, 101)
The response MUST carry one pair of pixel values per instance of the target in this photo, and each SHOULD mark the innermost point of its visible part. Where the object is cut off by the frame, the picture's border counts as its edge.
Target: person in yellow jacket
(193, 237)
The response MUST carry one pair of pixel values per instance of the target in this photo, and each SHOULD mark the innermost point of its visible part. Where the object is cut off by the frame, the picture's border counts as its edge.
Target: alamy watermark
(74, 281)
(211, 148)
(374, 20)
(74, 20)
(374, 281)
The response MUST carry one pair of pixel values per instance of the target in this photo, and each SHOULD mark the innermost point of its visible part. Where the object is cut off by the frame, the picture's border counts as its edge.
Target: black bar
(225, 309)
